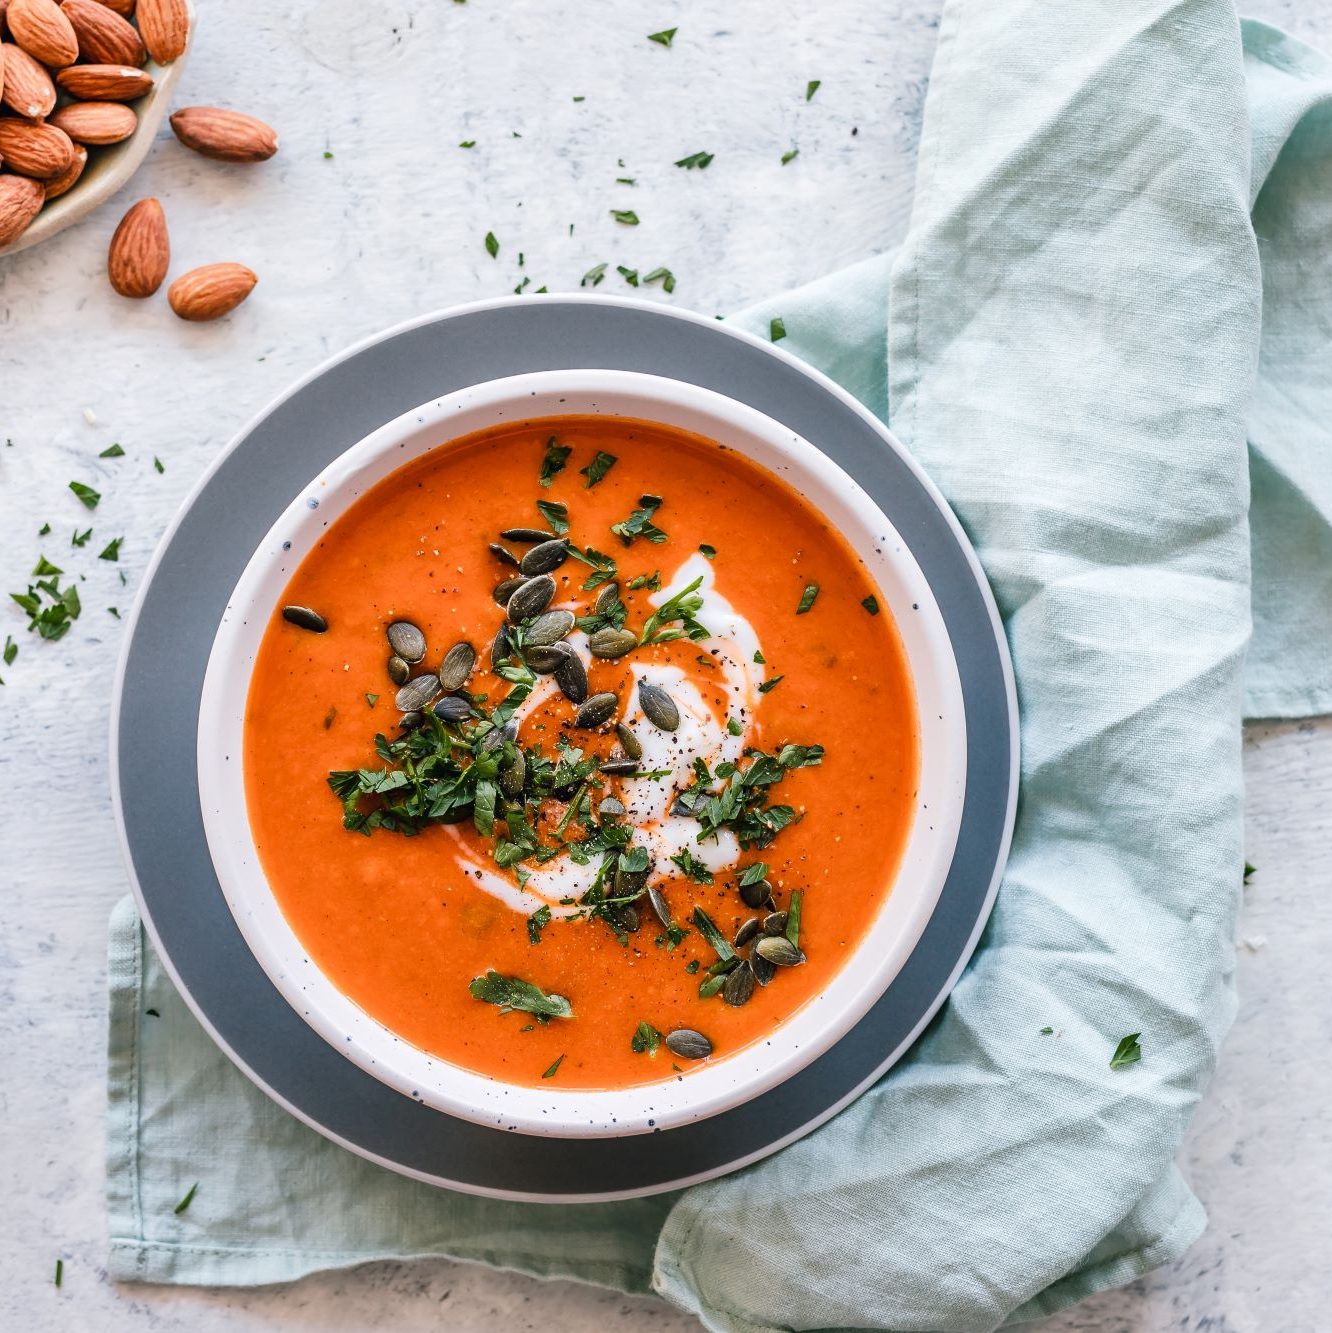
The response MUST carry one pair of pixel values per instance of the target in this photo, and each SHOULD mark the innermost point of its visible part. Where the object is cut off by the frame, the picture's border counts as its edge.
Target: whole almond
(43, 151)
(21, 200)
(96, 122)
(164, 26)
(105, 83)
(62, 183)
(140, 251)
(229, 136)
(28, 88)
(104, 37)
(211, 291)
(42, 31)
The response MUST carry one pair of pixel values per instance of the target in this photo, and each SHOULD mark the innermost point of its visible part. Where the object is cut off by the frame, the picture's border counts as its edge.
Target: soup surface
(477, 881)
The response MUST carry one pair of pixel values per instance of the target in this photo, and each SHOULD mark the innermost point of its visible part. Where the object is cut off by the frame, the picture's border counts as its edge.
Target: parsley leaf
(646, 1040)
(512, 993)
(663, 38)
(537, 922)
(696, 160)
(812, 87)
(691, 866)
(807, 598)
(639, 523)
(593, 276)
(625, 215)
(86, 494)
(187, 1200)
(776, 329)
(666, 277)
(555, 460)
(554, 1069)
(112, 451)
(555, 514)
(112, 550)
(598, 467)
(1128, 1052)
(871, 604)
(492, 245)
(790, 155)
(683, 607)
(630, 275)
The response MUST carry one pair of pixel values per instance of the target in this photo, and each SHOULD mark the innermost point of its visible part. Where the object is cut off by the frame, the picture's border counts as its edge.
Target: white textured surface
(392, 225)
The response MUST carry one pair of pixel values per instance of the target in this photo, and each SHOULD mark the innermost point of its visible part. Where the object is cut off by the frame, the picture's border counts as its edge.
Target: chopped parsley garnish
(692, 966)
(555, 514)
(625, 180)
(81, 538)
(511, 993)
(691, 866)
(652, 582)
(598, 467)
(740, 803)
(111, 551)
(770, 684)
(60, 1272)
(695, 160)
(752, 874)
(662, 275)
(537, 922)
(468, 143)
(790, 155)
(50, 608)
(871, 604)
(492, 245)
(776, 329)
(555, 460)
(44, 530)
(1047, 1031)
(630, 275)
(158, 464)
(1128, 1052)
(683, 607)
(604, 568)
(554, 1069)
(1248, 871)
(793, 916)
(807, 598)
(593, 276)
(734, 727)
(646, 1040)
(639, 523)
(663, 38)
(812, 87)
(187, 1200)
(371, 699)
(86, 494)
(709, 551)
(112, 451)
(11, 650)
(625, 215)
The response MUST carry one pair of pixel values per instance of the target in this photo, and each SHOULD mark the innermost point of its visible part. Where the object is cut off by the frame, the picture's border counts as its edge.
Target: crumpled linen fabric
(1109, 321)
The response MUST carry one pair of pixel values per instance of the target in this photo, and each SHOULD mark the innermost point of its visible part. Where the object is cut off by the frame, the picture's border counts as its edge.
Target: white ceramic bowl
(715, 1086)
(110, 168)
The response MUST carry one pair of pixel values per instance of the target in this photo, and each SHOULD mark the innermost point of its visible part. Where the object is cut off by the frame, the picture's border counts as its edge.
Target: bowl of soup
(582, 753)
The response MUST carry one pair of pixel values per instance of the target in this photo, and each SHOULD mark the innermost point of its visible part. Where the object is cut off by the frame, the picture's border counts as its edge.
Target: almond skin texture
(28, 88)
(42, 31)
(229, 136)
(122, 7)
(105, 83)
(164, 26)
(140, 252)
(96, 122)
(43, 151)
(62, 183)
(104, 37)
(211, 291)
(21, 200)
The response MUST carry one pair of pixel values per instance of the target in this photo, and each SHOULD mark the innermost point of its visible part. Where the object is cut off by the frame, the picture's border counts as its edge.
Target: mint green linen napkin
(1072, 348)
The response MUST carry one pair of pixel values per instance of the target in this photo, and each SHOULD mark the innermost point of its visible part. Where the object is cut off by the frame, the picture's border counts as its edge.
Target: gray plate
(161, 675)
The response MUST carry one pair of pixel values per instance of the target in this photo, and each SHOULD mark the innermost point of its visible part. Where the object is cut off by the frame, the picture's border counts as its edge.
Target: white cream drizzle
(700, 735)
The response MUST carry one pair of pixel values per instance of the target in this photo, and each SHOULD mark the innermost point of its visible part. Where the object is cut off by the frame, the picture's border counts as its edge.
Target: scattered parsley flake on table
(492, 245)
(625, 215)
(777, 329)
(663, 38)
(1128, 1052)
(86, 494)
(811, 88)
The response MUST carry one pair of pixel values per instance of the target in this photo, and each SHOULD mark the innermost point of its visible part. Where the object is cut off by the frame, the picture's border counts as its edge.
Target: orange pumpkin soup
(636, 829)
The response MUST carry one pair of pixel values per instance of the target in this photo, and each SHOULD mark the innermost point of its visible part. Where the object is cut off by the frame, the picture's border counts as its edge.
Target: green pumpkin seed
(410, 721)
(571, 677)
(496, 736)
(756, 894)
(513, 776)
(763, 970)
(304, 618)
(407, 641)
(417, 693)
(606, 598)
(528, 535)
(457, 666)
(746, 932)
(596, 711)
(658, 706)
(548, 628)
(610, 808)
(610, 643)
(503, 591)
(531, 599)
(399, 672)
(657, 901)
(688, 1044)
(541, 559)
(739, 986)
(503, 554)
(632, 747)
(774, 923)
(617, 766)
(779, 950)
(547, 660)
(453, 708)
(499, 648)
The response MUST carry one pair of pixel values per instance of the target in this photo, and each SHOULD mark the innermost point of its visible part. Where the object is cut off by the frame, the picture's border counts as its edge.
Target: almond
(62, 183)
(105, 83)
(28, 88)
(104, 37)
(122, 7)
(21, 200)
(211, 291)
(43, 151)
(43, 31)
(140, 251)
(164, 26)
(96, 122)
(229, 136)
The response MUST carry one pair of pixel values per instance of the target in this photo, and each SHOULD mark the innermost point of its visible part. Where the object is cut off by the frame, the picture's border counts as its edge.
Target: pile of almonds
(94, 55)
